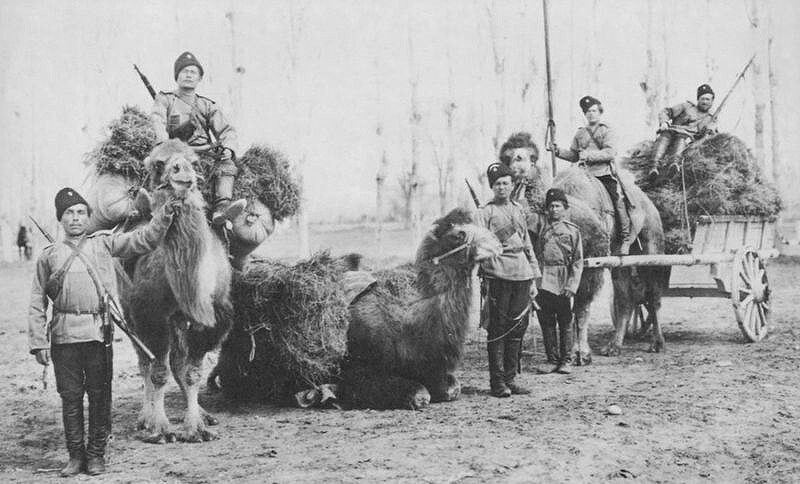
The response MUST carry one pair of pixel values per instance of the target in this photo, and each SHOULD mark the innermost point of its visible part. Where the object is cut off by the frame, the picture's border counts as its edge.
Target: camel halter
(467, 244)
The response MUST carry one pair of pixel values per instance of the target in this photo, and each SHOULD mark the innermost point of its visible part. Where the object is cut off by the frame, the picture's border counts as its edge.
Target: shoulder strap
(99, 285)
(592, 135)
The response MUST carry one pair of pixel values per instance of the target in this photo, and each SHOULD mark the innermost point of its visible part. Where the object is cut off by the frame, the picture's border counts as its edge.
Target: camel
(591, 209)
(178, 298)
(403, 351)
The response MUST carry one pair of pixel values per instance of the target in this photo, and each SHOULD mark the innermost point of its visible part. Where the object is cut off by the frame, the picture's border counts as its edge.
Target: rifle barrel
(730, 91)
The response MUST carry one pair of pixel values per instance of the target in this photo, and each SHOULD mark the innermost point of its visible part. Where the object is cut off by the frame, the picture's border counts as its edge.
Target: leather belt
(78, 312)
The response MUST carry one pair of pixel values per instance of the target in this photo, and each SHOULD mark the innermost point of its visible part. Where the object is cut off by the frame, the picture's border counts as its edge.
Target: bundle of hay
(264, 173)
(129, 140)
(290, 331)
(721, 178)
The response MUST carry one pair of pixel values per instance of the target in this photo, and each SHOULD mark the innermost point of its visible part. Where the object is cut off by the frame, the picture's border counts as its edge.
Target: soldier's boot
(660, 151)
(624, 219)
(550, 340)
(99, 428)
(224, 209)
(511, 363)
(565, 347)
(497, 384)
(72, 415)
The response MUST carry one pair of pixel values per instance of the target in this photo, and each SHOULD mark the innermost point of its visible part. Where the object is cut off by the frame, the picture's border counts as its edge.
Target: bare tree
(777, 167)
(415, 119)
(499, 72)
(383, 161)
(651, 83)
(759, 84)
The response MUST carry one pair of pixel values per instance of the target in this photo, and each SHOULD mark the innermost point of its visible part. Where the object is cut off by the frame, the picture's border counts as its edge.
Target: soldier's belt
(77, 312)
(514, 250)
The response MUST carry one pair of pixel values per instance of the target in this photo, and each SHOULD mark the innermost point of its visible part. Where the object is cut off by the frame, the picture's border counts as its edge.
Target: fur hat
(185, 60)
(555, 195)
(498, 170)
(704, 89)
(588, 101)
(519, 140)
(67, 197)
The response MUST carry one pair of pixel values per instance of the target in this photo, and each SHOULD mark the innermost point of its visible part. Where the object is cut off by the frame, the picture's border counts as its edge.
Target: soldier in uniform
(595, 147)
(560, 252)
(73, 276)
(683, 123)
(509, 278)
(192, 118)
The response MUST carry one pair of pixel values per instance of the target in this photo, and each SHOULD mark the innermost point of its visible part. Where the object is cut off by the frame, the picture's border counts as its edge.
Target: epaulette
(207, 99)
(100, 232)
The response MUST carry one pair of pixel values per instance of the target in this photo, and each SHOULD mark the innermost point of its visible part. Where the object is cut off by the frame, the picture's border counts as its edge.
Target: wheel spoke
(748, 311)
(745, 290)
(762, 316)
(743, 276)
(747, 300)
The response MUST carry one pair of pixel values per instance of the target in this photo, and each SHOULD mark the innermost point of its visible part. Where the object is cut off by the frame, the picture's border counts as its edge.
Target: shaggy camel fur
(403, 351)
(178, 302)
(591, 209)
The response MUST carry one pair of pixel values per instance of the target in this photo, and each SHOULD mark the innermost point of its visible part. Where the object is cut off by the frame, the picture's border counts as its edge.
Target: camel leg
(187, 370)
(657, 344)
(623, 305)
(153, 416)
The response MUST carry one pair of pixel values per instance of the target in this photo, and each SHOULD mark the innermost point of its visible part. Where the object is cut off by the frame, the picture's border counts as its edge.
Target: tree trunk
(383, 162)
(650, 86)
(499, 71)
(416, 135)
(298, 128)
(759, 87)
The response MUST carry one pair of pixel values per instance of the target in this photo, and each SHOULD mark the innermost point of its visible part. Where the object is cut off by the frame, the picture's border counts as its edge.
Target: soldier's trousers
(668, 143)
(507, 300)
(84, 367)
(555, 317)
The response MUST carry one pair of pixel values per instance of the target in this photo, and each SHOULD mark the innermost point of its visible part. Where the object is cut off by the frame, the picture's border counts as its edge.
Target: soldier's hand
(173, 205)
(663, 126)
(226, 155)
(43, 357)
(552, 147)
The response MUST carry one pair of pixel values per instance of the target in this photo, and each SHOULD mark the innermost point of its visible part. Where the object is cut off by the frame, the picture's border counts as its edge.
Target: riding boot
(511, 363)
(659, 151)
(624, 219)
(497, 382)
(565, 346)
(224, 209)
(72, 414)
(99, 426)
(550, 340)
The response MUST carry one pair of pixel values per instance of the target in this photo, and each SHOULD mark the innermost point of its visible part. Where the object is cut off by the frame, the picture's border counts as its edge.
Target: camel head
(455, 240)
(173, 167)
(521, 154)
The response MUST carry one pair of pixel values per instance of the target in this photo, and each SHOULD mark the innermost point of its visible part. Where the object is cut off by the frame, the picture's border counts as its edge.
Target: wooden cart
(735, 248)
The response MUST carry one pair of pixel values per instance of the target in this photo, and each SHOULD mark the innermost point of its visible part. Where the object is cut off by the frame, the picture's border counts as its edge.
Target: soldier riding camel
(193, 118)
(595, 148)
(682, 124)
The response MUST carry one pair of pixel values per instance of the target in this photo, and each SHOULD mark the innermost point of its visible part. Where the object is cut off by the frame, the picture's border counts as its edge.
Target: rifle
(146, 82)
(113, 306)
(474, 195)
(730, 91)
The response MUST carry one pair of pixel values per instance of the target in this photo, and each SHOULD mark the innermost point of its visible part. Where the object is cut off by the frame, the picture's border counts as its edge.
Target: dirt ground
(710, 409)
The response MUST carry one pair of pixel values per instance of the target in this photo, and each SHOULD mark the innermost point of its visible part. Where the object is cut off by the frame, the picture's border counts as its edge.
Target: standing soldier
(681, 124)
(509, 278)
(595, 147)
(192, 118)
(75, 275)
(560, 252)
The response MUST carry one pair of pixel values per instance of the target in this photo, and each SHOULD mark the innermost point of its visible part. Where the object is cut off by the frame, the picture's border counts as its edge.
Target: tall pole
(550, 134)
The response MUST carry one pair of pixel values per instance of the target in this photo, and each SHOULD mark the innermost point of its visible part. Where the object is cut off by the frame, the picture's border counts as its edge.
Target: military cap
(185, 60)
(704, 89)
(555, 195)
(67, 197)
(498, 170)
(588, 101)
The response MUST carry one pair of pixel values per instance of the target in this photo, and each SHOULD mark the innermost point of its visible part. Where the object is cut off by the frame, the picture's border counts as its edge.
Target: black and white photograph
(440, 241)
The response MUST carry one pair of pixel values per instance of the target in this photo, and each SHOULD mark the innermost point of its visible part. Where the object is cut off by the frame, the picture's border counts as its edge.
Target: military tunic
(560, 252)
(687, 120)
(171, 109)
(595, 146)
(508, 222)
(76, 309)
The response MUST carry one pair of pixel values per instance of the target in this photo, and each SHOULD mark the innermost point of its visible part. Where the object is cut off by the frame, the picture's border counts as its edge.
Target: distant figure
(24, 247)
(193, 119)
(681, 124)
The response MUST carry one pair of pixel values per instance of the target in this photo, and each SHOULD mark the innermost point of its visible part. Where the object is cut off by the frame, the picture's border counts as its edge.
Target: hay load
(721, 178)
(290, 330)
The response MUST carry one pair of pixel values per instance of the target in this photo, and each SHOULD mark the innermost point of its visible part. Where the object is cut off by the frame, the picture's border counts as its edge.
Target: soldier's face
(189, 77)
(75, 220)
(556, 210)
(704, 102)
(502, 188)
(593, 114)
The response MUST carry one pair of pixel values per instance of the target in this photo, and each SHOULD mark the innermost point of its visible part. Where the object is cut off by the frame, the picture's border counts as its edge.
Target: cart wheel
(750, 294)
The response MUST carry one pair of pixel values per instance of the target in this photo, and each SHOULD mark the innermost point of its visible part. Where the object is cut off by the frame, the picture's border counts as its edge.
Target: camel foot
(657, 347)
(582, 359)
(611, 349)
(159, 437)
(209, 419)
(450, 392)
(418, 400)
(195, 434)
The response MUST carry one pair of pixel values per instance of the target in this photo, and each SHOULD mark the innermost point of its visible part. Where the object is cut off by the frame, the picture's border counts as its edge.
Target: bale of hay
(129, 139)
(398, 281)
(264, 174)
(290, 331)
(721, 178)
